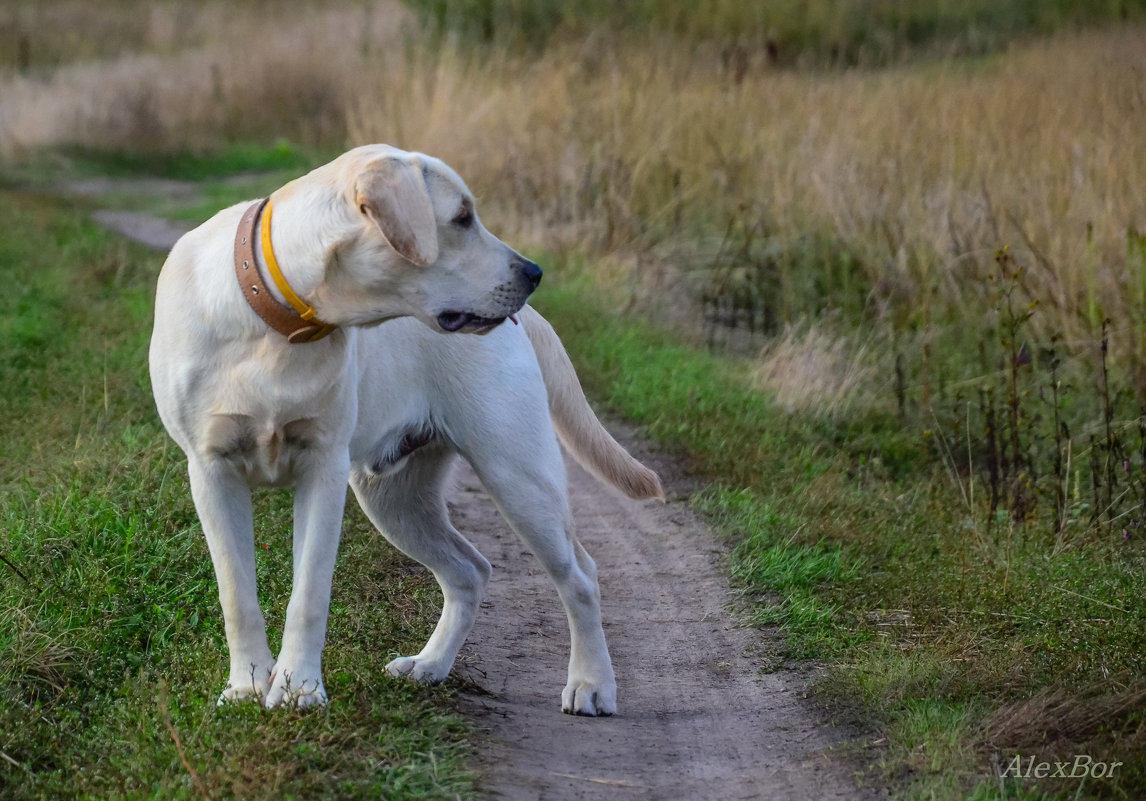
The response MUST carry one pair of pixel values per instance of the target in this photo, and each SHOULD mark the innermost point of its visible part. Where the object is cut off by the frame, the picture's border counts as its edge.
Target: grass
(844, 536)
(877, 195)
(929, 454)
(189, 187)
(111, 642)
(226, 161)
(821, 33)
(35, 38)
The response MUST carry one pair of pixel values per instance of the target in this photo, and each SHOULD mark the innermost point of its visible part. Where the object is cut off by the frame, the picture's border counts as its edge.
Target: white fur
(250, 409)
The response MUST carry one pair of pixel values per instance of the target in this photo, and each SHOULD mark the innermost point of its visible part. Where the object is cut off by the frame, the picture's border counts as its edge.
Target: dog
(392, 337)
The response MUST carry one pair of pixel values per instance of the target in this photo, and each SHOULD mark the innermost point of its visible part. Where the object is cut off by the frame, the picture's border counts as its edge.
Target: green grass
(192, 186)
(198, 165)
(854, 539)
(111, 643)
(215, 196)
(767, 559)
(214, 169)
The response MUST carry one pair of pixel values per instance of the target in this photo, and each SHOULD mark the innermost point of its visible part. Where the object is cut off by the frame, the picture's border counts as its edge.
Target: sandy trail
(697, 719)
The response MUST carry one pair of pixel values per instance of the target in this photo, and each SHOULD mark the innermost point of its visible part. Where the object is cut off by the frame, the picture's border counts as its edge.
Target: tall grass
(191, 76)
(870, 202)
(884, 194)
(37, 37)
(819, 33)
(880, 194)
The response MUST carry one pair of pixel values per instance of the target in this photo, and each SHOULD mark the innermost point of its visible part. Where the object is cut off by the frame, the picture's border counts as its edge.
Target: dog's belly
(263, 452)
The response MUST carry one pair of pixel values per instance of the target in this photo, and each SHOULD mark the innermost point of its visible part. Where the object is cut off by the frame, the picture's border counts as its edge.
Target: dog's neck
(300, 258)
(314, 227)
(300, 306)
(254, 259)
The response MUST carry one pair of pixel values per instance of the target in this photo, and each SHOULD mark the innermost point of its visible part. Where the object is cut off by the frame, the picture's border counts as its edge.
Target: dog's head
(406, 240)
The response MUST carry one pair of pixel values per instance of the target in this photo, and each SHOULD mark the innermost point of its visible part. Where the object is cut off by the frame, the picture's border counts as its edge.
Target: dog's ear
(392, 192)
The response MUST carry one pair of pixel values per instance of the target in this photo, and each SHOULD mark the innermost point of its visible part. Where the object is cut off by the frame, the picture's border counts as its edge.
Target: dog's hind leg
(409, 508)
(526, 479)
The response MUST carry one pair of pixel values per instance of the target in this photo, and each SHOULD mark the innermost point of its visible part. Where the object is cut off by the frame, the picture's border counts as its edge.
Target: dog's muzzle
(529, 277)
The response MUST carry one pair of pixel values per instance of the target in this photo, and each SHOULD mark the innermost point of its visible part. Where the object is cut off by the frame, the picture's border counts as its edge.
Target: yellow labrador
(377, 235)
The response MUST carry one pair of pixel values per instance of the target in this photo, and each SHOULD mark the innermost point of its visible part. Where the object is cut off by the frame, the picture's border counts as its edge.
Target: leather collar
(278, 316)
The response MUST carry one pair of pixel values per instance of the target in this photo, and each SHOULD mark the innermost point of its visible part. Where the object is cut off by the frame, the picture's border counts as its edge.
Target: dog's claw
(295, 693)
(232, 695)
(246, 685)
(587, 700)
(423, 671)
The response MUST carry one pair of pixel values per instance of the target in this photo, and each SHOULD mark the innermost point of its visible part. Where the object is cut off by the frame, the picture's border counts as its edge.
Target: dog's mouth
(454, 321)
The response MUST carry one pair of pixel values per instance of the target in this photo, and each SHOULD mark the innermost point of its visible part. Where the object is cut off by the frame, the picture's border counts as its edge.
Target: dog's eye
(464, 218)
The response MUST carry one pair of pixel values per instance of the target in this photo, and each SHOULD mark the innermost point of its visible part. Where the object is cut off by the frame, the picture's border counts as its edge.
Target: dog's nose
(531, 273)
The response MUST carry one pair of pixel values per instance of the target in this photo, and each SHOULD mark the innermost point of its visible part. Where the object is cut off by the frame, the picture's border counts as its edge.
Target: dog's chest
(272, 418)
(265, 452)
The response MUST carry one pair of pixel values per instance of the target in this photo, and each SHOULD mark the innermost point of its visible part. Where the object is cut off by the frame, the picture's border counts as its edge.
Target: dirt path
(154, 232)
(697, 718)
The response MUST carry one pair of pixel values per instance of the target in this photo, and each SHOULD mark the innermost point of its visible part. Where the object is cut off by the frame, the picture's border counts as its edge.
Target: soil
(698, 719)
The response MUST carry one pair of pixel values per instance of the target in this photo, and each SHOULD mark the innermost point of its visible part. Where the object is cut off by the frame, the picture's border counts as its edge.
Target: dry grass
(818, 372)
(652, 152)
(1055, 715)
(1103, 721)
(919, 174)
(201, 75)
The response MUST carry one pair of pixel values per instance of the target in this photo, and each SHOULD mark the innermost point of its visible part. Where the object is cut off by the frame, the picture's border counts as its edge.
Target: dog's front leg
(320, 496)
(224, 506)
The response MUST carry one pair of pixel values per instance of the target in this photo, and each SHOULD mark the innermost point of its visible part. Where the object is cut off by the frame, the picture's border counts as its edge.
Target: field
(879, 276)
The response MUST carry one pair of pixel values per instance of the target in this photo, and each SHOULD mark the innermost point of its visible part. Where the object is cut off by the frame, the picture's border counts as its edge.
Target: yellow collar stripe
(305, 311)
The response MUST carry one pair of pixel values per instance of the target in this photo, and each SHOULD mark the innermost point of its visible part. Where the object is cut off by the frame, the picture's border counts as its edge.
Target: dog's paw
(237, 695)
(290, 691)
(589, 698)
(425, 671)
(251, 685)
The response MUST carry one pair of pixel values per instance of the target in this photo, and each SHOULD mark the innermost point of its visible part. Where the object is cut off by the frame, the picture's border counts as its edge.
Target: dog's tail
(577, 427)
